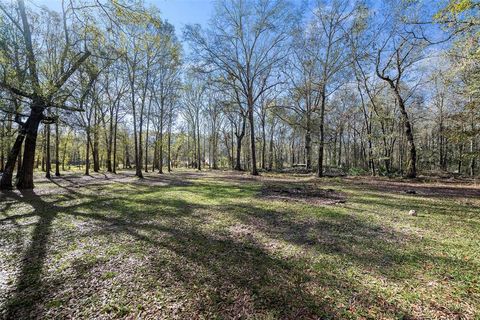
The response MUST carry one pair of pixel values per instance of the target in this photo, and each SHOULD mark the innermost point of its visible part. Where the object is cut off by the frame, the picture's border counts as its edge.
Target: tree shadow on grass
(424, 189)
(28, 291)
(444, 207)
(219, 274)
(29, 278)
(225, 277)
(364, 243)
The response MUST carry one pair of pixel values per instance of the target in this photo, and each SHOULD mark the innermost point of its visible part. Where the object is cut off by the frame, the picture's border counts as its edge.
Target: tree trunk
(188, 149)
(308, 142)
(264, 144)
(44, 150)
(169, 143)
(292, 150)
(114, 169)
(322, 136)
(19, 163)
(110, 143)
(87, 154)
(6, 181)
(155, 152)
(199, 155)
(146, 134)
(460, 156)
(25, 178)
(238, 165)
(340, 146)
(214, 146)
(160, 153)
(270, 162)
(146, 148)
(204, 147)
(95, 151)
(48, 161)
(254, 171)
(232, 147)
(160, 156)
(412, 160)
(64, 155)
(57, 149)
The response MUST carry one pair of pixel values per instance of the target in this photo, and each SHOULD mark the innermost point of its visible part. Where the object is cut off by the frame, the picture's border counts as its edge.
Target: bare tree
(328, 46)
(399, 51)
(41, 96)
(246, 40)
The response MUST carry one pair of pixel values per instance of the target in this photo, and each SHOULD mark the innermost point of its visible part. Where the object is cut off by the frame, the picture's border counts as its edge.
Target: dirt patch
(306, 192)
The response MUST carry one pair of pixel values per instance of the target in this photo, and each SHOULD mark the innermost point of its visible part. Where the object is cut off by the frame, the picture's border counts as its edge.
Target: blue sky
(177, 12)
(182, 12)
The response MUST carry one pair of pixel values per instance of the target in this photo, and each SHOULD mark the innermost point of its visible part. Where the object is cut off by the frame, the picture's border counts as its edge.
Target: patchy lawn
(220, 245)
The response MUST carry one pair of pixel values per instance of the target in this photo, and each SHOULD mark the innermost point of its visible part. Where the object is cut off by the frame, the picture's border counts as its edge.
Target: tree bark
(25, 178)
(238, 163)
(270, 162)
(199, 153)
(114, 169)
(308, 142)
(254, 171)
(48, 160)
(264, 142)
(146, 135)
(95, 151)
(322, 135)
(160, 156)
(110, 143)
(412, 151)
(19, 163)
(87, 155)
(57, 149)
(2, 148)
(169, 154)
(6, 181)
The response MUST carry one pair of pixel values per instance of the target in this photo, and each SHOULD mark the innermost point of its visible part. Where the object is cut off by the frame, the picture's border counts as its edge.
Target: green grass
(209, 246)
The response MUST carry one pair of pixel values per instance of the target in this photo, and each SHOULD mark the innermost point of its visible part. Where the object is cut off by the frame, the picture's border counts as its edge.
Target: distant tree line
(339, 86)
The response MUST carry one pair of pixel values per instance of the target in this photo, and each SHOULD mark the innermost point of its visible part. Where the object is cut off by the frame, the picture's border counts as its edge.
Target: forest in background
(332, 87)
(98, 97)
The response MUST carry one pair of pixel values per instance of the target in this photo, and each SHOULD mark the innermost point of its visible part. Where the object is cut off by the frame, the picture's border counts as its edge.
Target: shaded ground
(203, 245)
(306, 192)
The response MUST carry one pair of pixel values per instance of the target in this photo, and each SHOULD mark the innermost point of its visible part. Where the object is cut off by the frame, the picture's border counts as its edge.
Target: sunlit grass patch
(208, 245)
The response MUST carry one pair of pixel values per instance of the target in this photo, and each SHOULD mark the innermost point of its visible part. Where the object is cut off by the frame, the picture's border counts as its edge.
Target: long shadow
(28, 292)
(363, 243)
(29, 277)
(220, 267)
(77, 181)
(372, 247)
(423, 189)
(223, 267)
(277, 284)
(460, 211)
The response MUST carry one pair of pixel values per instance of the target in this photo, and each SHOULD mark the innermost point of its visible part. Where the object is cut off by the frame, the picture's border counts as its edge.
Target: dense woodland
(185, 171)
(331, 87)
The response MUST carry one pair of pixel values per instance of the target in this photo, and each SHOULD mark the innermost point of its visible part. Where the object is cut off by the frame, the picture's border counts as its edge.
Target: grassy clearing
(210, 246)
